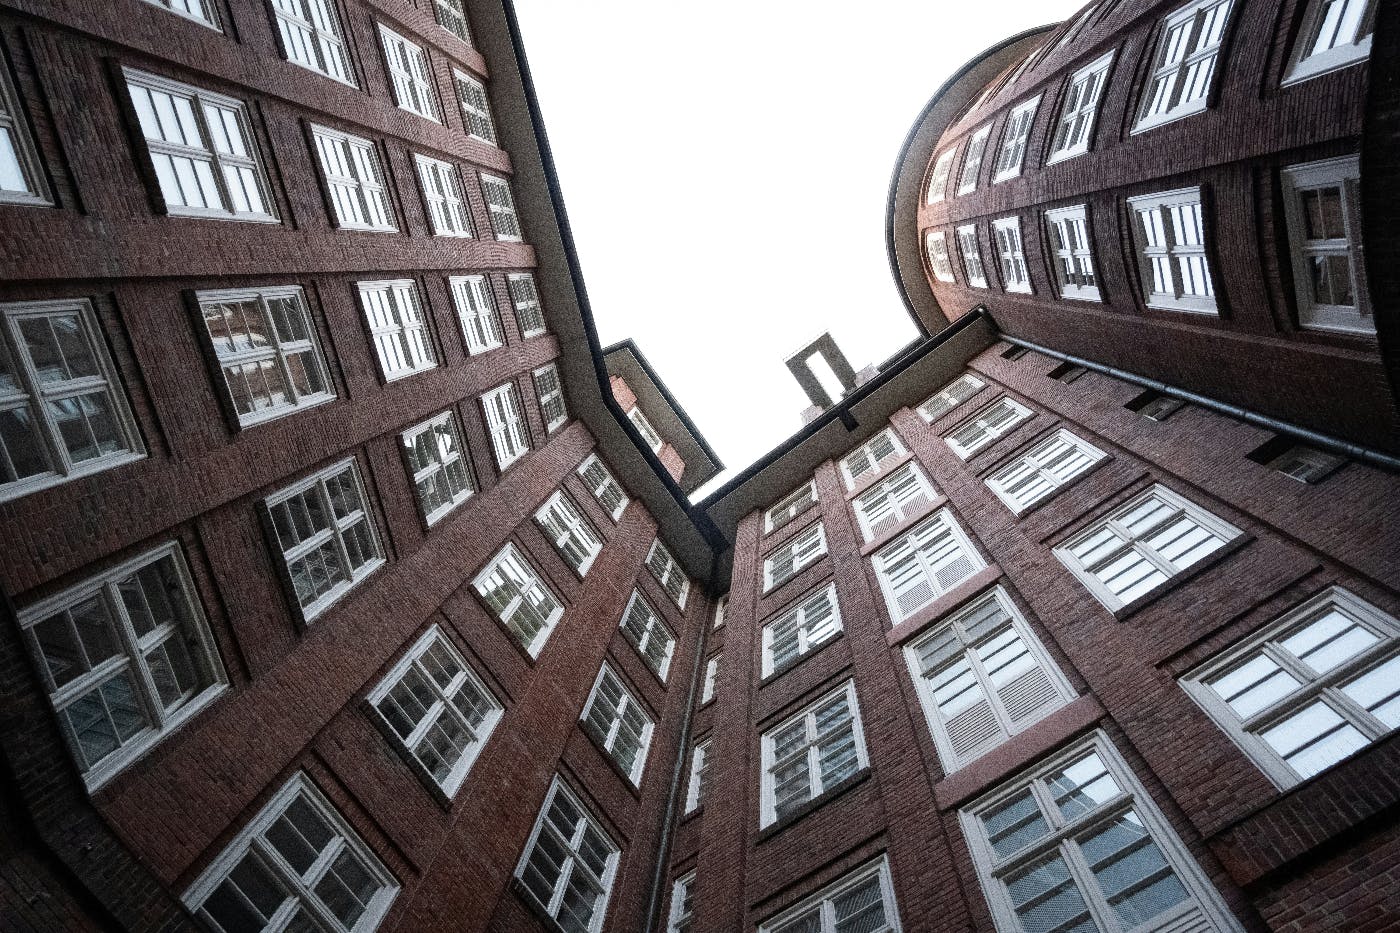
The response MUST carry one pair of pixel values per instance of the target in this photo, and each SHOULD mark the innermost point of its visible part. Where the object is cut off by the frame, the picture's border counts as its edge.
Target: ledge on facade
(940, 607)
(816, 803)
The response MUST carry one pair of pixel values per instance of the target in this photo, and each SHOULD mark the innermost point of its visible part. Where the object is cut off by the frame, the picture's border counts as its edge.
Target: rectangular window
(397, 327)
(1139, 546)
(971, 256)
(201, 145)
(569, 863)
(1006, 235)
(453, 18)
(983, 677)
(807, 754)
(924, 563)
(893, 501)
(785, 563)
(790, 506)
(476, 107)
(681, 918)
(972, 162)
(505, 422)
(871, 458)
(645, 631)
(570, 533)
(439, 711)
(668, 573)
(938, 181)
(1035, 474)
(1313, 687)
(936, 245)
(201, 11)
(442, 191)
(21, 176)
(501, 203)
(1184, 63)
(476, 308)
(1014, 136)
(987, 425)
(410, 74)
(618, 723)
(438, 465)
(862, 900)
(721, 607)
(312, 38)
(711, 672)
(1077, 844)
(1322, 204)
(1155, 406)
(518, 596)
(297, 865)
(355, 180)
(1066, 372)
(1169, 231)
(1335, 33)
(648, 433)
(63, 413)
(1073, 262)
(549, 390)
(326, 535)
(699, 770)
(1075, 129)
(605, 489)
(803, 628)
(126, 658)
(528, 313)
(950, 396)
(1297, 461)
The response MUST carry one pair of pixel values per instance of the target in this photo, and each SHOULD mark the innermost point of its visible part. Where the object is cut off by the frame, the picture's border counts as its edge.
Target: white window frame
(877, 465)
(972, 160)
(500, 202)
(952, 542)
(798, 618)
(654, 628)
(790, 506)
(800, 552)
(476, 309)
(587, 821)
(938, 179)
(569, 531)
(822, 904)
(812, 750)
(453, 10)
(505, 422)
(476, 111)
(1305, 464)
(448, 209)
(979, 431)
(707, 692)
(605, 486)
(398, 327)
(550, 398)
(1358, 15)
(355, 181)
(1048, 465)
(1011, 254)
(186, 9)
(441, 463)
(1015, 134)
(905, 492)
(680, 918)
(531, 580)
(665, 569)
(529, 313)
(1178, 58)
(721, 607)
(950, 396)
(410, 74)
(312, 37)
(1071, 242)
(939, 262)
(1169, 234)
(1079, 111)
(639, 420)
(971, 251)
(699, 768)
(626, 703)
(1344, 174)
(14, 125)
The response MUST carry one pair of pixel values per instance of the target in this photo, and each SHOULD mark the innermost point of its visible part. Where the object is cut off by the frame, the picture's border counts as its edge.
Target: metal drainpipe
(1356, 452)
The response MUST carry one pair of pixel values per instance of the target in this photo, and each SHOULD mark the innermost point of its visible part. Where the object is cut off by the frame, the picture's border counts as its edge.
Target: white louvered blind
(893, 501)
(923, 564)
(871, 457)
(791, 506)
(1038, 472)
(950, 396)
(986, 426)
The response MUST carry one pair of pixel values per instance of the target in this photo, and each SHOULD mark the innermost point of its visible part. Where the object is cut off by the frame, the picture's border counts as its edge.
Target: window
(1013, 140)
(1075, 128)
(1073, 263)
(950, 396)
(619, 724)
(549, 390)
(201, 146)
(126, 658)
(297, 865)
(643, 628)
(972, 162)
(1335, 33)
(785, 563)
(790, 506)
(721, 607)
(526, 300)
(62, 411)
(438, 465)
(569, 863)
(649, 434)
(936, 245)
(1013, 352)
(1035, 474)
(699, 770)
(520, 599)
(1143, 544)
(924, 563)
(1312, 688)
(1077, 844)
(1297, 461)
(893, 501)
(605, 489)
(311, 37)
(439, 711)
(803, 628)
(987, 425)
(409, 74)
(1171, 246)
(476, 307)
(453, 18)
(476, 107)
(808, 754)
(871, 458)
(1006, 235)
(1184, 63)
(326, 535)
(501, 203)
(1066, 372)
(938, 181)
(505, 421)
(682, 916)
(971, 256)
(862, 901)
(398, 328)
(1322, 205)
(573, 537)
(1155, 406)
(442, 191)
(711, 672)
(200, 11)
(354, 179)
(668, 573)
(983, 677)
(21, 176)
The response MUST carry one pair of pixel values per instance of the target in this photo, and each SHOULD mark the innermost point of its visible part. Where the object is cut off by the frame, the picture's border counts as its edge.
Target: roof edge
(630, 344)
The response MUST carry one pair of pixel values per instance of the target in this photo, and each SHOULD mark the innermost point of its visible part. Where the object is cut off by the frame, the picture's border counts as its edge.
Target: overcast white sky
(725, 166)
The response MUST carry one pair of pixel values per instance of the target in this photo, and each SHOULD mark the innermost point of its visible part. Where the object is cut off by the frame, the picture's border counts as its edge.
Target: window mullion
(216, 160)
(1089, 889)
(149, 696)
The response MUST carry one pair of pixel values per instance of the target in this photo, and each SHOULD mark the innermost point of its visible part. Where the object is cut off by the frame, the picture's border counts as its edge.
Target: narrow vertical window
(790, 506)
(1011, 254)
(549, 390)
(505, 422)
(519, 598)
(971, 256)
(618, 723)
(1335, 34)
(1171, 246)
(668, 573)
(1322, 205)
(397, 327)
(570, 533)
(355, 180)
(442, 190)
(312, 38)
(950, 396)
(648, 432)
(987, 425)
(21, 175)
(972, 162)
(569, 863)
(476, 308)
(699, 770)
(438, 465)
(721, 607)
(1013, 140)
(924, 563)
(936, 246)
(808, 754)
(1048, 465)
(1073, 250)
(799, 553)
(604, 487)
(803, 628)
(476, 107)
(526, 299)
(893, 501)
(453, 18)
(645, 631)
(871, 458)
(409, 74)
(1184, 63)
(938, 181)
(860, 901)
(1074, 130)
(707, 693)
(681, 918)
(501, 203)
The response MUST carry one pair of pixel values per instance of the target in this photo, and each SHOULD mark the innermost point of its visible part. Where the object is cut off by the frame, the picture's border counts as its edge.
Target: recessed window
(1170, 235)
(438, 465)
(790, 506)
(476, 308)
(924, 563)
(201, 11)
(1322, 203)
(549, 390)
(1310, 689)
(699, 770)
(528, 313)
(453, 18)
(21, 176)
(809, 753)
(707, 693)
(1013, 352)
(893, 501)
(1184, 63)
(63, 413)
(871, 458)
(501, 203)
(618, 723)
(645, 631)
(936, 245)
(987, 425)
(1297, 461)
(799, 553)
(521, 601)
(438, 710)
(950, 396)
(476, 107)
(1074, 130)
(326, 535)
(296, 860)
(681, 918)
(505, 422)
(648, 433)
(126, 658)
(569, 863)
(1035, 474)
(972, 162)
(397, 327)
(861, 900)
(409, 74)
(668, 573)
(1013, 140)
(201, 146)
(1066, 372)
(605, 489)
(971, 256)
(1139, 546)
(312, 38)
(1155, 406)
(1011, 254)
(355, 180)
(442, 191)
(721, 607)
(938, 181)
(570, 533)
(803, 628)
(1335, 33)
(1073, 262)
(983, 677)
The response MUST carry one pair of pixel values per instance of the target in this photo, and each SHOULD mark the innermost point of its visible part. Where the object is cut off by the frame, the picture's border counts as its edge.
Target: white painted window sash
(442, 190)
(681, 917)
(790, 559)
(21, 173)
(476, 308)
(795, 632)
(573, 831)
(834, 907)
(1335, 34)
(1074, 261)
(1169, 230)
(476, 107)
(816, 737)
(971, 256)
(668, 573)
(924, 563)
(1079, 112)
(526, 301)
(1331, 262)
(438, 465)
(312, 37)
(604, 487)
(707, 693)
(1014, 136)
(620, 724)
(570, 533)
(936, 245)
(938, 181)
(950, 396)
(397, 327)
(871, 458)
(992, 422)
(893, 501)
(549, 391)
(790, 506)
(1047, 466)
(200, 11)
(501, 203)
(409, 74)
(1015, 275)
(1184, 63)
(721, 607)
(514, 591)
(356, 181)
(505, 421)
(645, 631)
(699, 770)
(452, 17)
(972, 162)
(649, 434)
